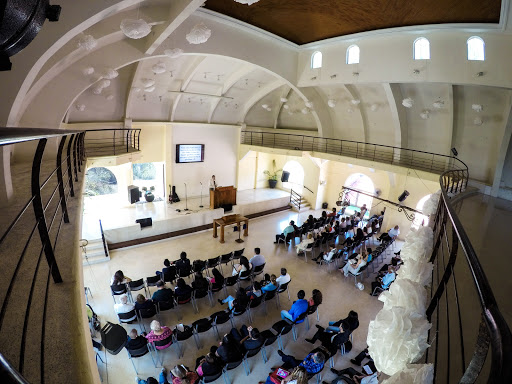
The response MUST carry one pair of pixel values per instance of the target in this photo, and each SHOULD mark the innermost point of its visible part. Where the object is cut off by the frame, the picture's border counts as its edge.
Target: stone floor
(340, 296)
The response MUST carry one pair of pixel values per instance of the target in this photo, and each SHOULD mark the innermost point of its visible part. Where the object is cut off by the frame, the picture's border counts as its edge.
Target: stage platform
(120, 229)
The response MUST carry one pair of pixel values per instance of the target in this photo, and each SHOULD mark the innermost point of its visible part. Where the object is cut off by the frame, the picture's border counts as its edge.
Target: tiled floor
(340, 296)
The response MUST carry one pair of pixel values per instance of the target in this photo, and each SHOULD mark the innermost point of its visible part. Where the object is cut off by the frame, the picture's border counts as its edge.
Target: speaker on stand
(285, 176)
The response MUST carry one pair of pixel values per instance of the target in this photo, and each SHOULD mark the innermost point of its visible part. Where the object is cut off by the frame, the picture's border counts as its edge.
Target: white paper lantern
(478, 121)
(477, 107)
(248, 2)
(149, 89)
(97, 90)
(374, 107)
(408, 102)
(286, 106)
(109, 97)
(425, 114)
(136, 89)
(135, 29)
(309, 104)
(305, 110)
(430, 206)
(438, 104)
(199, 34)
(87, 42)
(88, 71)
(413, 374)
(147, 82)
(110, 73)
(80, 107)
(355, 101)
(268, 109)
(173, 53)
(104, 83)
(264, 106)
(283, 99)
(158, 68)
(331, 103)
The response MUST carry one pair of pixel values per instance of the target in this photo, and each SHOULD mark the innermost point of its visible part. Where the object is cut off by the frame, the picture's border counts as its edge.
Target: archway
(419, 219)
(100, 181)
(363, 183)
(296, 179)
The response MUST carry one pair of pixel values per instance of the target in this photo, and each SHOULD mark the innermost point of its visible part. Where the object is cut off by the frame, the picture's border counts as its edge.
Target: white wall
(220, 157)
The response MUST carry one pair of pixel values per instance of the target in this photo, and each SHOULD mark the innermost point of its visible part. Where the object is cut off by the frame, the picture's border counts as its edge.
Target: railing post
(37, 204)
(79, 152)
(138, 140)
(62, 195)
(127, 133)
(357, 149)
(75, 159)
(114, 142)
(70, 169)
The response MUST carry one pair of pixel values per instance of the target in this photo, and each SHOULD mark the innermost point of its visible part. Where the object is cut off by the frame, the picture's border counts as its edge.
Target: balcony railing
(111, 141)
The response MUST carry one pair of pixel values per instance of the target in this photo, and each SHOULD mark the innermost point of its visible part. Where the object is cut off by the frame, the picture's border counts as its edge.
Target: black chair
(179, 336)
(184, 272)
(184, 299)
(269, 295)
(257, 271)
(286, 240)
(235, 313)
(142, 351)
(198, 266)
(199, 294)
(151, 281)
(298, 320)
(254, 303)
(270, 337)
(127, 317)
(201, 326)
(219, 318)
(210, 379)
(229, 367)
(225, 259)
(137, 285)
(249, 353)
(282, 328)
(170, 274)
(238, 253)
(229, 282)
(212, 262)
(281, 289)
(165, 306)
(146, 313)
(118, 290)
(162, 343)
(312, 309)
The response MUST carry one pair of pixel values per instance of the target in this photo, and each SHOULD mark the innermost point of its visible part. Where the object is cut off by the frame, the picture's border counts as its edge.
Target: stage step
(304, 206)
(95, 253)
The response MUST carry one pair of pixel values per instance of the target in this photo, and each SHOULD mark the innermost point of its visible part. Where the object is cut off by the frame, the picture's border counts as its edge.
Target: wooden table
(228, 220)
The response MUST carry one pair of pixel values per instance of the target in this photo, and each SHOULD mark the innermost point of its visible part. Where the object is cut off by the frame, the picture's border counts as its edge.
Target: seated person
(354, 265)
(271, 284)
(289, 230)
(368, 367)
(165, 269)
(343, 223)
(313, 363)
(208, 365)
(359, 235)
(125, 307)
(385, 281)
(301, 247)
(228, 350)
(248, 337)
(355, 377)
(135, 341)
(200, 283)
(316, 298)
(181, 375)
(349, 241)
(243, 266)
(143, 303)
(363, 211)
(119, 278)
(237, 304)
(217, 280)
(284, 277)
(183, 265)
(159, 333)
(331, 341)
(390, 235)
(257, 259)
(182, 288)
(254, 291)
(348, 324)
(298, 308)
(332, 213)
(162, 293)
(297, 376)
(326, 256)
(151, 380)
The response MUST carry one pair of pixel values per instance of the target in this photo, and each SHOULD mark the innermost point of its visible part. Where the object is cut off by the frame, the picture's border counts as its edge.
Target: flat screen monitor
(189, 153)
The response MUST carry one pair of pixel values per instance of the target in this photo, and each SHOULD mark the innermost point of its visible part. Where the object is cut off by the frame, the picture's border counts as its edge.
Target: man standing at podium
(213, 183)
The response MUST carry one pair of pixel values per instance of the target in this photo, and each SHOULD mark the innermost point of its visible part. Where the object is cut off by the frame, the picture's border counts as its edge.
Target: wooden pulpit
(221, 196)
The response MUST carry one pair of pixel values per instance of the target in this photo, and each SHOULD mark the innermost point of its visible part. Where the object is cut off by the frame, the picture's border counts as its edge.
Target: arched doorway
(420, 219)
(100, 181)
(363, 183)
(296, 179)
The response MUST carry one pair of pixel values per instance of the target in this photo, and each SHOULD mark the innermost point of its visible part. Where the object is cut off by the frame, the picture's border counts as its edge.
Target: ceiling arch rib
(193, 69)
(364, 120)
(398, 115)
(286, 94)
(270, 87)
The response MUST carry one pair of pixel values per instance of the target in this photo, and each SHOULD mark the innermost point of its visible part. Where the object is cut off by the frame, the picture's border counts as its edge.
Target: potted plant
(148, 193)
(272, 176)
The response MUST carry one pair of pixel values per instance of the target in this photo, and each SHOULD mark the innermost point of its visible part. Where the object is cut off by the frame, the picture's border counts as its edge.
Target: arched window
(419, 219)
(421, 49)
(100, 181)
(353, 54)
(316, 60)
(362, 183)
(476, 48)
(296, 179)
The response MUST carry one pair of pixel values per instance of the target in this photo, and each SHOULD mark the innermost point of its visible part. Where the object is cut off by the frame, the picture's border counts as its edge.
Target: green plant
(273, 175)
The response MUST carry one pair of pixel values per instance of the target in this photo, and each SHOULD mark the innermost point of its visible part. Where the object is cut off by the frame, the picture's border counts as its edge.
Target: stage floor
(116, 213)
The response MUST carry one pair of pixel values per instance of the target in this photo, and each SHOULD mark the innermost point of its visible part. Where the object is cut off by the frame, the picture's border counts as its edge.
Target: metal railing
(465, 317)
(111, 141)
(295, 199)
(424, 161)
(25, 285)
(105, 247)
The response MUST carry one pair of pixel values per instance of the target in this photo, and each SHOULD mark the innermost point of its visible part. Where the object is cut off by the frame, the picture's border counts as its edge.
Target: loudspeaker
(113, 337)
(285, 176)
(147, 222)
(227, 207)
(133, 194)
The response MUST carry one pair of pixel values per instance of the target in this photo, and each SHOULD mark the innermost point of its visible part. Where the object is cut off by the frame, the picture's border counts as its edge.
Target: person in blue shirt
(385, 281)
(271, 285)
(313, 363)
(298, 308)
(288, 230)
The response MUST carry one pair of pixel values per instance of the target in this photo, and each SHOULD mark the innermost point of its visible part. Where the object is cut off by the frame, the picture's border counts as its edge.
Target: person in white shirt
(213, 184)
(284, 278)
(390, 235)
(327, 256)
(354, 265)
(124, 307)
(257, 259)
(301, 247)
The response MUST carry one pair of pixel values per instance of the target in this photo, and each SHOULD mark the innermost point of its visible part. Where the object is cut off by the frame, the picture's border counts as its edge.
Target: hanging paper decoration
(110, 73)
(135, 29)
(87, 42)
(158, 68)
(199, 34)
(173, 53)
(88, 71)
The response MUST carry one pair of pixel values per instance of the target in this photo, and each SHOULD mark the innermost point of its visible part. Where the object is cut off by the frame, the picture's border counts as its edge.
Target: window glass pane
(353, 54)
(476, 48)
(421, 49)
(316, 60)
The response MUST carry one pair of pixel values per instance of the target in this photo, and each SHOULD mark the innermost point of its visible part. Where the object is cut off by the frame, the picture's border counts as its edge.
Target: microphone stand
(201, 206)
(186, 199)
